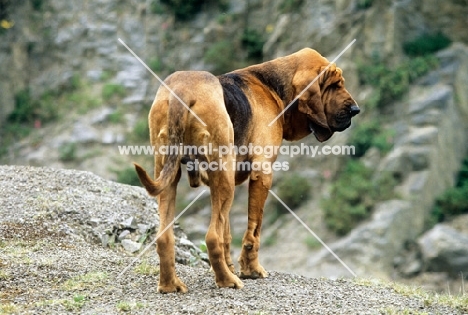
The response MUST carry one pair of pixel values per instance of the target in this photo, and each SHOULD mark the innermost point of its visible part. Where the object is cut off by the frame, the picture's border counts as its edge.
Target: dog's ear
(310, 103)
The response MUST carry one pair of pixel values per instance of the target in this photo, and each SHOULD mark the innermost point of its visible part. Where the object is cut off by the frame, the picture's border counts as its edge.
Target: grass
(76, 303)
(116, 117)
(8, 308)
(147, 269)
(459, 302)
(67, 152)
(4, 275)
(140, 131)
(312, 242)
(113, 90)
(127, 176)
(86, 281)
(125, 306)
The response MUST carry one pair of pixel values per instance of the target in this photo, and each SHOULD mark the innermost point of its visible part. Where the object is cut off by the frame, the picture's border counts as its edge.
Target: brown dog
(237, 108)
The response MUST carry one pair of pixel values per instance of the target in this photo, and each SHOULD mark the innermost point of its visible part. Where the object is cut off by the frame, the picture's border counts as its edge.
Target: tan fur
(269, 88)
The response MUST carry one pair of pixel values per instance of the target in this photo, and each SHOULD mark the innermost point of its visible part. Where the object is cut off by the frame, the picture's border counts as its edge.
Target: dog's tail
(177, 118)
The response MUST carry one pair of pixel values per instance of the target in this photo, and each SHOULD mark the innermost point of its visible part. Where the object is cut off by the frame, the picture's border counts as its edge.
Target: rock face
(86, 206)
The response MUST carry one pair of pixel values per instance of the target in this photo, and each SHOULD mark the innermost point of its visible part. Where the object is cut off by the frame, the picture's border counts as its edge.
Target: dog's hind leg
(168, 280)
(218, 236)
(248, 260)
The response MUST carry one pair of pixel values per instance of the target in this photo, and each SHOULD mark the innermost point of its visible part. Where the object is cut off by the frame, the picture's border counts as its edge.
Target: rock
(108, 137)
(423, 135)
(371, 247)
(131, 246)
(437, 99)
(186, 242)
(100, 115)
(429, 117)
(83, 133)
(123, 234)
(445, 249)
(371, 158)
(419, 157)
(129, 223)
(105, 239)
(94, 222)
(143, 228)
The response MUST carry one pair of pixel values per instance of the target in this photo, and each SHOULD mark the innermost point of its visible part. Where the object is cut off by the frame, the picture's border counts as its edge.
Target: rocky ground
(62, 250)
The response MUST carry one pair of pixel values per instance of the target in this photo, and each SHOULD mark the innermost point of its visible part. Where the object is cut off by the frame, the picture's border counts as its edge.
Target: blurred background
(397, 209)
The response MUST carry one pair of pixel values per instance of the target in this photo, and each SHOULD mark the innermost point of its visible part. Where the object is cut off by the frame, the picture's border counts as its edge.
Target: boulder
(445, 249)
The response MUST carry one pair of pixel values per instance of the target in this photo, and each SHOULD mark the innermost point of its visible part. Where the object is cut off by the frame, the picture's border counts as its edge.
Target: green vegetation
(74, 304)
(37, 5)
(27, 110)
(312, 242)
(127, 176)
(8, 308)
(426, 44)
(364, 4)
(218, 55)
(288, 6)
(453, 201)
(155, 64)
(146, 269)
(125, 306)
(67, 152)
(185, 10)
(140, 131)
(116, 117)
(392, 83)
(370, 134)
(353, 196)
(86, 281)
(253, 43)
(459, 302)
(110, 90)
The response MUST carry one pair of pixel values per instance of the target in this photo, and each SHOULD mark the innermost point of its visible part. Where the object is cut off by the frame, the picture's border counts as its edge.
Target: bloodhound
(232, 110)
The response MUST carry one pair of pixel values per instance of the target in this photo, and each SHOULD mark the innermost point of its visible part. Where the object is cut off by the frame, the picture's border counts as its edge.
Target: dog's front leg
(250, 267)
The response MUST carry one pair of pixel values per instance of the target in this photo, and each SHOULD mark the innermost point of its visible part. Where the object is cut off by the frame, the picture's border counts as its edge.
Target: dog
(232, 110)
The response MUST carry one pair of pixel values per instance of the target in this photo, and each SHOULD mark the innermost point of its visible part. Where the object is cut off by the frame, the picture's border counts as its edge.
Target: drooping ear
(310, 103)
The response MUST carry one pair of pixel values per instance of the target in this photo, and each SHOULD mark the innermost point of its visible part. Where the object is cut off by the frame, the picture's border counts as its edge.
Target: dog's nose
(354, 110)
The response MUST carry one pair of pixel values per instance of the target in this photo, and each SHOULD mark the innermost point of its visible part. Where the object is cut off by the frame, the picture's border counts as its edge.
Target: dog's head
(327, 104)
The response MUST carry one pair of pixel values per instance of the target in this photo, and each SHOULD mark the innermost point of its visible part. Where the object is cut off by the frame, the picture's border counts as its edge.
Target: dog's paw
(231, 281)
(253, 273)
(174, 286)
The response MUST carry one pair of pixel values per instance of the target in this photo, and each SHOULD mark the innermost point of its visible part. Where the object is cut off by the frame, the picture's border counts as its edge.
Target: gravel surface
(51, 261)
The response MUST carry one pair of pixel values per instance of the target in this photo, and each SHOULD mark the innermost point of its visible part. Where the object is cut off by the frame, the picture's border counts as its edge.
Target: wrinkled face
(327, 104)
(339, 105)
